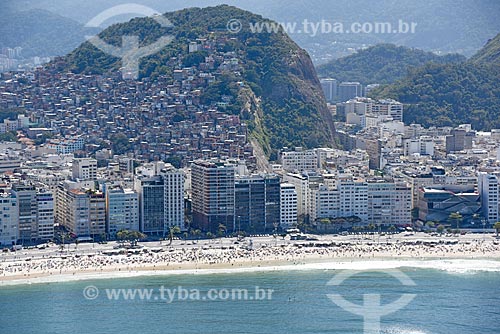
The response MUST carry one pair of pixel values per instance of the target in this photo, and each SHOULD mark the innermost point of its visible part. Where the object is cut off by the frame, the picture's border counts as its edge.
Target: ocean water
(450, 297)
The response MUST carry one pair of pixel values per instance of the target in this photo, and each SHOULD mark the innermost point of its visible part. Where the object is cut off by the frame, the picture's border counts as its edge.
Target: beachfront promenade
(222, 253)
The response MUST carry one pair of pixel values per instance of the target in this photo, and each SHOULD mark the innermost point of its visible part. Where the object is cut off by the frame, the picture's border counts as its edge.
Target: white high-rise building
(288, 205)
(45, 214)
(325, 202)
(84, 169)
(173, 180)
(72, 210)
(359, 106)
(423, 146)
(488, 186)
(161, 198)
(299, 160)
(122, 210)
(353, 197)
(9, 219)
(390, 108)
(389, 203)
(82, 211)
(342, 197)
(373, 202)
(301, 184)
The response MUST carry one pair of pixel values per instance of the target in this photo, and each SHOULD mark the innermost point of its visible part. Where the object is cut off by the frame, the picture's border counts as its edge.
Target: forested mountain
(451, 94)
(489, 54)
(40, 32)
(445, 26)
(382, 63)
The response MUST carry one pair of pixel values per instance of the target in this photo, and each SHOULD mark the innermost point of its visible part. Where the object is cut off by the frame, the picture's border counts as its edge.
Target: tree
(221, 230)
(127, 235)
(8, 136)
(173, 230)
(455, 217)
(194, 58)
(497, 227)
(120, 143)
(448, 95)
(440, 229)
(196, 233)
(430, 224)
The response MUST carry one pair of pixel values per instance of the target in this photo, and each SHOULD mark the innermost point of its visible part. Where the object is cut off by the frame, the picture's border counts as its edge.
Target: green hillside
(40, 33)
(451, 94)
(382, 63)
(489, 54)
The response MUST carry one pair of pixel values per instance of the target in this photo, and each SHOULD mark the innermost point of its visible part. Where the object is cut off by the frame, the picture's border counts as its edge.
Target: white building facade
(288, 205)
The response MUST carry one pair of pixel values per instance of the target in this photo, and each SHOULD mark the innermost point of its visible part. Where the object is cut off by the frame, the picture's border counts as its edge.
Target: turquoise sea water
(445, 302)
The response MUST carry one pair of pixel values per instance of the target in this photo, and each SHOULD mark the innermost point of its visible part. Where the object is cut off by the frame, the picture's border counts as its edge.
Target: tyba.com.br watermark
(316, 28)
(179, 293)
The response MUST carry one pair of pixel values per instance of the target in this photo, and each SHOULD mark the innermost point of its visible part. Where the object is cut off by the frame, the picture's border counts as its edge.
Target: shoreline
(451, 264)
(476, 256)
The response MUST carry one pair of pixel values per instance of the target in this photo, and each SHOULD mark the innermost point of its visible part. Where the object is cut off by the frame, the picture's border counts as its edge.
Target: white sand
(462, 257)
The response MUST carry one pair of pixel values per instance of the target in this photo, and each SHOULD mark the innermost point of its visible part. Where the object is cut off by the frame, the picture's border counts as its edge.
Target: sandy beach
(327, 253)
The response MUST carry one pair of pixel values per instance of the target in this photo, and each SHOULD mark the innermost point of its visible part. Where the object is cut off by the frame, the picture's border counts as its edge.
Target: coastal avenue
(54, 251)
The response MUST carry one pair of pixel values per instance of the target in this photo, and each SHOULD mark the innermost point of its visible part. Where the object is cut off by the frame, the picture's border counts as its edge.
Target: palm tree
(497, 227)
(173, 230)
(221, 230)
(455, 217)
(188, 220)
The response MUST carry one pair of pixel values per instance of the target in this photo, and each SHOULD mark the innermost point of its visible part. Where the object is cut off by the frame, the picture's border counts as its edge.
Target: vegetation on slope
(40, 33)
(451, 94)
(382, 63)
(489, 54)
